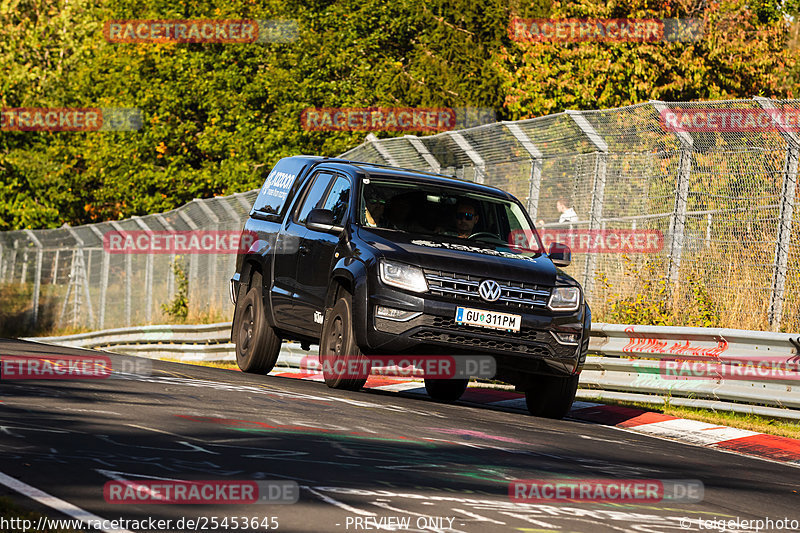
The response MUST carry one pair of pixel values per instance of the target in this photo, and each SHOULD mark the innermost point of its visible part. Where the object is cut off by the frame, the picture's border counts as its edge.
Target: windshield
(446, 212)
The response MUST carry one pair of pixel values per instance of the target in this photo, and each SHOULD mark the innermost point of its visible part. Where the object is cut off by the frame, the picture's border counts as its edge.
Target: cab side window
(338, 199)
(314, 196)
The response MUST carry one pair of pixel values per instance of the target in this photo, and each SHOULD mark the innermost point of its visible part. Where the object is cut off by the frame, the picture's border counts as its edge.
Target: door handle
(302, 249)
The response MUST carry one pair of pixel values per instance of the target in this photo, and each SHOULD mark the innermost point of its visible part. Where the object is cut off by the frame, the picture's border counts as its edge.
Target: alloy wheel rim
(248, 325)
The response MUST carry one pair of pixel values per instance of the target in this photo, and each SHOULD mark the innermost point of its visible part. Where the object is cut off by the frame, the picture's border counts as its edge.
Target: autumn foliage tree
(742, 53)
(216, 117)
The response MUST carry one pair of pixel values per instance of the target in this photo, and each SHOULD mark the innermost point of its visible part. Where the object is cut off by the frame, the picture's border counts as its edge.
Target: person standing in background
(568, 214)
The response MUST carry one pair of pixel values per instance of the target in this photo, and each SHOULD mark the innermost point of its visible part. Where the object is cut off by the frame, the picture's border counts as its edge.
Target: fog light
(390, 313)
(566, 338)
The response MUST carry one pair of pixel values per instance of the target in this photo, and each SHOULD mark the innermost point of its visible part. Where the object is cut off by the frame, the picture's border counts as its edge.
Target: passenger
(374, 211)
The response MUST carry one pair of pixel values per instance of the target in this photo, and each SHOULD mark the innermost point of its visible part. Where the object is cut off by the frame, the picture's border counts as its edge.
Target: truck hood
(460, 256)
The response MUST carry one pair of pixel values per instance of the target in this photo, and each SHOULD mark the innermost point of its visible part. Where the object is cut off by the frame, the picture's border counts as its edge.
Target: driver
(466, 218)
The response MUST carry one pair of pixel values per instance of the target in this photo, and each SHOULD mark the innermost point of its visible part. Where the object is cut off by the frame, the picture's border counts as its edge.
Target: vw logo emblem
(489, 290)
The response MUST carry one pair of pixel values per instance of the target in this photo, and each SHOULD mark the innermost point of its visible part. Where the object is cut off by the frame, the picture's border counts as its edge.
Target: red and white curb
(741, 441)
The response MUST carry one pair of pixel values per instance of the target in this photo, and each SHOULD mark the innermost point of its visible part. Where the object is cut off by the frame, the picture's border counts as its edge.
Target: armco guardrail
(629, 366)
(635, 362)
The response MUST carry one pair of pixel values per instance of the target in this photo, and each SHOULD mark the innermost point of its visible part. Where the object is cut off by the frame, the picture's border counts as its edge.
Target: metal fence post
(536, 167)
(82, 278)
(170, 275)
(13, 261)
(55, 267)
(62, 316)
(101, 319)
(598, 193)
(474, 156)
(37, 280)
(212, 258)
(236, 223)
(24, 273)
(678, 220)
(381, 149)
(423, 151)
(240, 197)
(784, 234)
(192, 257)
(148, 275)
(101, 312)
(677, 223)
(128, 274)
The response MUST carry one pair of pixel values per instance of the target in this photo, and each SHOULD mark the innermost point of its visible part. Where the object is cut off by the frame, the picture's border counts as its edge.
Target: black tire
(257, 346)
(338, 352)
(551, 396)
(446, 390)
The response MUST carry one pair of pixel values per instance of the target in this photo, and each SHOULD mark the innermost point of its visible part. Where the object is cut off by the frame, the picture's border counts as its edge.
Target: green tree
(742, 53)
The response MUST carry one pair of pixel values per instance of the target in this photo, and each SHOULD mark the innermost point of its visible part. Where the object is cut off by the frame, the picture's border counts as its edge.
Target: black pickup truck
(360, 259)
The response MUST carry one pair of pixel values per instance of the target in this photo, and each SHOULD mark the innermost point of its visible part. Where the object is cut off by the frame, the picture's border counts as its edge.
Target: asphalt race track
(362, 460)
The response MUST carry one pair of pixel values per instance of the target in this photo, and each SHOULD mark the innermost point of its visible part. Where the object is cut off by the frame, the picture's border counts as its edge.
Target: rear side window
(276, 188)
(338, 199)
(314, 196)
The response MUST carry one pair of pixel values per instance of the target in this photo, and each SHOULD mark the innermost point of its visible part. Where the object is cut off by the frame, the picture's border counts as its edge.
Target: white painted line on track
(407, 386)
(337, 503)
(693, 431)
(54, 503)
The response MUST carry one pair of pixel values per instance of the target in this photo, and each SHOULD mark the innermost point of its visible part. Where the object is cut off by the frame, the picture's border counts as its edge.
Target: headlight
(565, 299)
(403, 276)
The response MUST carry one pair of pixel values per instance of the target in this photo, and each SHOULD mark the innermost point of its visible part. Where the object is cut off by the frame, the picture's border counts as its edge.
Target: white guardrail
(631, 363)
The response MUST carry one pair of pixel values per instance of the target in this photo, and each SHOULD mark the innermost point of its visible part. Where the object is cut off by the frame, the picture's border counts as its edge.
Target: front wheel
(257, 345)
(446, 390)
(551, 396)
(343, 364)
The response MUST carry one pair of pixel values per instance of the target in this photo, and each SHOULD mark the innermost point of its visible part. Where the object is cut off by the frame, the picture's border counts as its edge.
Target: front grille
(465, 287)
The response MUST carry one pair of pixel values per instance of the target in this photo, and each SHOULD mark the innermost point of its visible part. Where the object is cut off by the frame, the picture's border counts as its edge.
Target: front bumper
(532, 350)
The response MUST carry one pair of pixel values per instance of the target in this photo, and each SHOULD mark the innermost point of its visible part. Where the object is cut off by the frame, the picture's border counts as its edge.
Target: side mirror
(322, 220)
(560, 254)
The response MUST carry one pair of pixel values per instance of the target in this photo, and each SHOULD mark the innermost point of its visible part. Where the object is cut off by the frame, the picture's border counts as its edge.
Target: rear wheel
(343, 364)
(551, 396)
(257, 345)
(446, 390)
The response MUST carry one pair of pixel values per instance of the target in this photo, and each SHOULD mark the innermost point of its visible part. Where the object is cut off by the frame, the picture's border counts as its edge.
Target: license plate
(487, 319)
